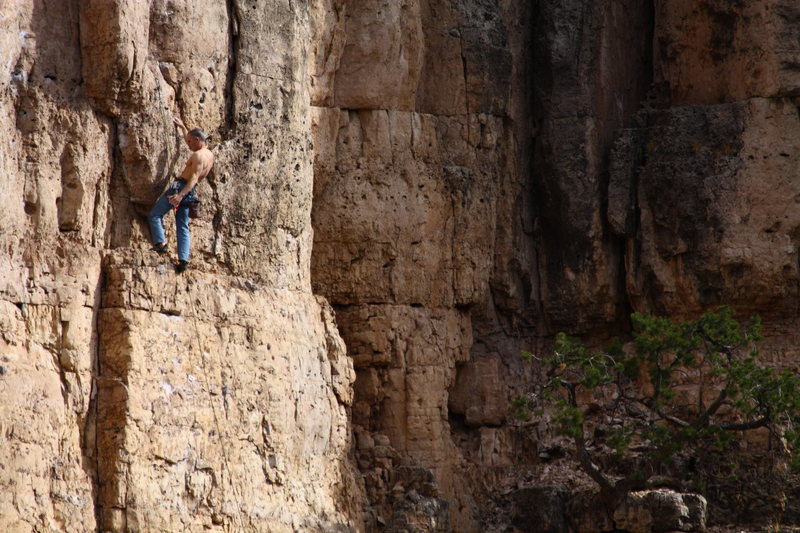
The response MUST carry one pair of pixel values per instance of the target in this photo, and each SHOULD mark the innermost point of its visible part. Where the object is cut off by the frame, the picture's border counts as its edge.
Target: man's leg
(155, 217)
(184, 238)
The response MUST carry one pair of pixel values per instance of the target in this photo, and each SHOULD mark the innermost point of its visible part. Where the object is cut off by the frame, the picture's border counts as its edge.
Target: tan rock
(382, 57)
(221, 406)
(661, 510)
(405, 390)
(479, 393)
(448, 163)
(410, 175)
(328, 26)
(442, 86)
(435, 211)
(47, 428)
(737, 246)
(111, 421)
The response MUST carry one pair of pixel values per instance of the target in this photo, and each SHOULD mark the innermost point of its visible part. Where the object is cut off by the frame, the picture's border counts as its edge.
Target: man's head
(196, 139)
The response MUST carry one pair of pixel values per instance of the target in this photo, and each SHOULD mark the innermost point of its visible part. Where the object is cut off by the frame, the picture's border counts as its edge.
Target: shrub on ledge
(682, 389)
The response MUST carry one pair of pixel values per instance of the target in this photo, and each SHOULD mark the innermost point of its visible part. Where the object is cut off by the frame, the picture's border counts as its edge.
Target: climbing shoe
(181, 266)
(160, 248)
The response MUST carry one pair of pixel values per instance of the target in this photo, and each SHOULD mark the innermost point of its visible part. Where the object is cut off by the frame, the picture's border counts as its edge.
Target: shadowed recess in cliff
(233, 52)
(429, 146)
(592, 70)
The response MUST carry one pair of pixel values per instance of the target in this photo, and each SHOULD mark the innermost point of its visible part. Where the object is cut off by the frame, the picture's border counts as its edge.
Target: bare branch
(703, 419)
(649, 404)
(590, 468)
(744, 426)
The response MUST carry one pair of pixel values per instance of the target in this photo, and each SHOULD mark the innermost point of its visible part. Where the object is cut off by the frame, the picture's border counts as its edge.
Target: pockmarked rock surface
(711, 52)
(413, 177)
(234, 401)
(661, 510)
(699, 228)
(530, 169)
(134, 399)
(460, 180)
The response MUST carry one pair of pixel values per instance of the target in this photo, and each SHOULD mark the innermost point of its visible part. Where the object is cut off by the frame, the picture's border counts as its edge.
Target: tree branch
(648, 404)
(744, 426)
(606, 488)
(703, 419)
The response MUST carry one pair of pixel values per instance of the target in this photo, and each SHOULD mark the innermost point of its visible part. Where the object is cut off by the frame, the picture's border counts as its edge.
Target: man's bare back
(199, 164)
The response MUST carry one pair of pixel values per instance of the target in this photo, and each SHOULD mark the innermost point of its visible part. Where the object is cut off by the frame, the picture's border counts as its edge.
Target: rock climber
(180, 195)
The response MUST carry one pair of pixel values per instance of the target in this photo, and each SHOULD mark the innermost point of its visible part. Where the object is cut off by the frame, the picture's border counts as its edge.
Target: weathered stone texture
(478, 174)
(479, 394)
(231, 403)
(432, 179)
(661, 510)
(55, 165)
(46, 384)
(712, 51)
(591, 73)
(381, 60)
(522, 168)
(134, 400)
(327, 25)
(706, 232)
(704, 194)
(412, 168)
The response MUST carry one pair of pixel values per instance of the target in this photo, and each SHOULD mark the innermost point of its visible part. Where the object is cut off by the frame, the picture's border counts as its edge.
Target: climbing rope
(164, 106)
(225, 459)
(237, 493)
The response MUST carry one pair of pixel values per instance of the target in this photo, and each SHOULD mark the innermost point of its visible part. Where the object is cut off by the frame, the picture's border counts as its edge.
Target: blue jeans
(161, 208)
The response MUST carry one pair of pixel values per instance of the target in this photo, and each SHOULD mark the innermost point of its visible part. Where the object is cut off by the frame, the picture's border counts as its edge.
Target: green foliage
(620, 438)
(683, 388)
(569, 420)
(521, 408)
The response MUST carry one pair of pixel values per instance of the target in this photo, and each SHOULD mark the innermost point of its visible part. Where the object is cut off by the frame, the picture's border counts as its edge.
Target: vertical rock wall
(446, 189)
(135, 399)
(417, 205)
(478, 174)
(592, 70)
(55, 166)
(704, 189)
(488, 173)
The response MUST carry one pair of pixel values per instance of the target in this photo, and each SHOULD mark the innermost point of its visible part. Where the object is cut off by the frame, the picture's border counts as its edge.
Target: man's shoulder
(203, 153)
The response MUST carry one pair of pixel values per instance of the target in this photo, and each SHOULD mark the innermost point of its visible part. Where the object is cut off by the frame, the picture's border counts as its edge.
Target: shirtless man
(180, 194)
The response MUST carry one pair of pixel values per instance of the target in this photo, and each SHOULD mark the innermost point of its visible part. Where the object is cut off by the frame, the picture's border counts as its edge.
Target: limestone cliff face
(530, 167)
(704, 186)
(456, 180)
(419, 200)
(134, 399)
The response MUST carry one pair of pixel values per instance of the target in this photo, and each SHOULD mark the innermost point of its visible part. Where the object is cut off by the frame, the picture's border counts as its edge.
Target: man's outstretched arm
(179, 124)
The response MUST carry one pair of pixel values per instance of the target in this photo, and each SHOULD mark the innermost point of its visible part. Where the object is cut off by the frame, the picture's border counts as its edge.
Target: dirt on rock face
(457, 181)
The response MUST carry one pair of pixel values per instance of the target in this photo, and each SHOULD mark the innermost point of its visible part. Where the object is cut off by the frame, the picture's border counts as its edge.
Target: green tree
(682, 388)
